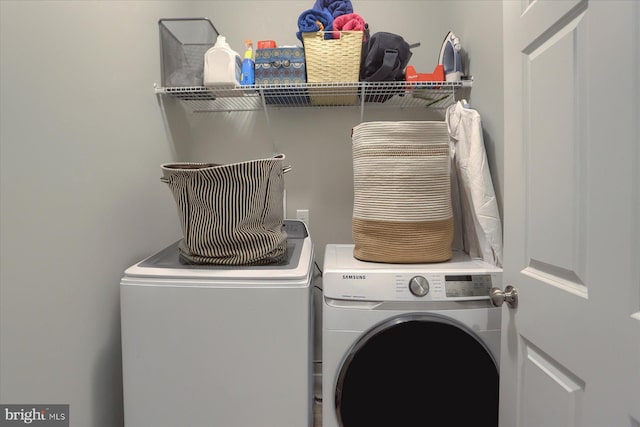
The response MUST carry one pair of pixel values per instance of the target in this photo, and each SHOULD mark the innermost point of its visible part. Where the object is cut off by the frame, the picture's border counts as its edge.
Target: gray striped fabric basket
(402, 192)
(230, 214)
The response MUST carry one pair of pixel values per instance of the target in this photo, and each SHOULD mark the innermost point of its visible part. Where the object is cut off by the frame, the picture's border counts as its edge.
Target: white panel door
(571, 348)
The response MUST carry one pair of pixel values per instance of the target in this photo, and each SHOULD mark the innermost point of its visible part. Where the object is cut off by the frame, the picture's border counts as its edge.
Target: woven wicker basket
(330, 61)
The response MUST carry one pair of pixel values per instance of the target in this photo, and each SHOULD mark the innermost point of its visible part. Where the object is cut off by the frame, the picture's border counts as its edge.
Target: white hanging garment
(482, 228)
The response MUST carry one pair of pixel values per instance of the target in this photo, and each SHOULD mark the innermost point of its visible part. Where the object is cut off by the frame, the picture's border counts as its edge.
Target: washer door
(418, 370)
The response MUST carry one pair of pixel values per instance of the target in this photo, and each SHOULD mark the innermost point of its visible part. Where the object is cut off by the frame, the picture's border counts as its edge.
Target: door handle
(509, 295)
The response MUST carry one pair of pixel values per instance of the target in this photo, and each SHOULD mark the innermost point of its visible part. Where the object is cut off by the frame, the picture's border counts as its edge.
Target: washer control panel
(458, 279)
(411, 286)
(446, 286)
(467, 285)
(457, 285)
(419, 286)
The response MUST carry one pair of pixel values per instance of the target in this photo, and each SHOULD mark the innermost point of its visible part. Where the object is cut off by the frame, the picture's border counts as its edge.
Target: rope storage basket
(230, 214)
(402, 209)
(333, 56)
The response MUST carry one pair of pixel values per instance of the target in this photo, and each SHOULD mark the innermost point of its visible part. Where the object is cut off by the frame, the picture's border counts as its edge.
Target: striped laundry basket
(230, 214)
(402, 192)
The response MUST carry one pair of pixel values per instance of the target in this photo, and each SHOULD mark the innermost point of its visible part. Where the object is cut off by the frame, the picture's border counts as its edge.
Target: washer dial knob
(419, 286)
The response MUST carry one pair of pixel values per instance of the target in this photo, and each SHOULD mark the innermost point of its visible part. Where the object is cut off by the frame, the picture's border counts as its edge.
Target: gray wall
(82, 138)
(81, 144)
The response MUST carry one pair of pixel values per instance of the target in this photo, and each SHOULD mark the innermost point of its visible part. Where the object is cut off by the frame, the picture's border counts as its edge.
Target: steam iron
(450, 58)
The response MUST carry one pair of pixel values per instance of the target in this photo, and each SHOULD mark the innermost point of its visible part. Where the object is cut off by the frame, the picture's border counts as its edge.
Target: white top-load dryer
(409, 344)
(218, 345)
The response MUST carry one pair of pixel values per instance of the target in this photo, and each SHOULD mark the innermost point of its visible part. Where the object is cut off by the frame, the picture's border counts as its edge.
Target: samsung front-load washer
(409, 344)
(219, 346)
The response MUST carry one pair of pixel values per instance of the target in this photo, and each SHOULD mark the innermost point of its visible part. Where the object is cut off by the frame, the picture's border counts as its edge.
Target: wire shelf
(438, 95)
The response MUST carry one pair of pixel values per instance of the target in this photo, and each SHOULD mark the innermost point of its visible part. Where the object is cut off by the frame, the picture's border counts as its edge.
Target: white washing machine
(409, 344)
(219, 346)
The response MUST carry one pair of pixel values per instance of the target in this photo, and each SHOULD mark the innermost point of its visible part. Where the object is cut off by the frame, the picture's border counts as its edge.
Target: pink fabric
(348, 22)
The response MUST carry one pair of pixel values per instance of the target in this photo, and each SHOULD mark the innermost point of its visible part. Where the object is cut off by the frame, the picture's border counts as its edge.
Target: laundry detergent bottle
(222, 65)
(248, 65)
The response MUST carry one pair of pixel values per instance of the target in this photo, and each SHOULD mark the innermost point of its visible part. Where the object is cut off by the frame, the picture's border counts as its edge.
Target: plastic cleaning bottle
(222, 65)
(248, 65)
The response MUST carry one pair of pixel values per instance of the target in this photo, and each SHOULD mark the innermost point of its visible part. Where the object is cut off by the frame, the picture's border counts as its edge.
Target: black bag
(385, 56)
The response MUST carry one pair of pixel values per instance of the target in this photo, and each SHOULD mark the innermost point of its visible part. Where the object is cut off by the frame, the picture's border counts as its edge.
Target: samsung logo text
(354, 277)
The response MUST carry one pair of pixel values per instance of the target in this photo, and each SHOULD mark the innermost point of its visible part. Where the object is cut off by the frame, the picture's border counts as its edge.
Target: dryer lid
(297, 265)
